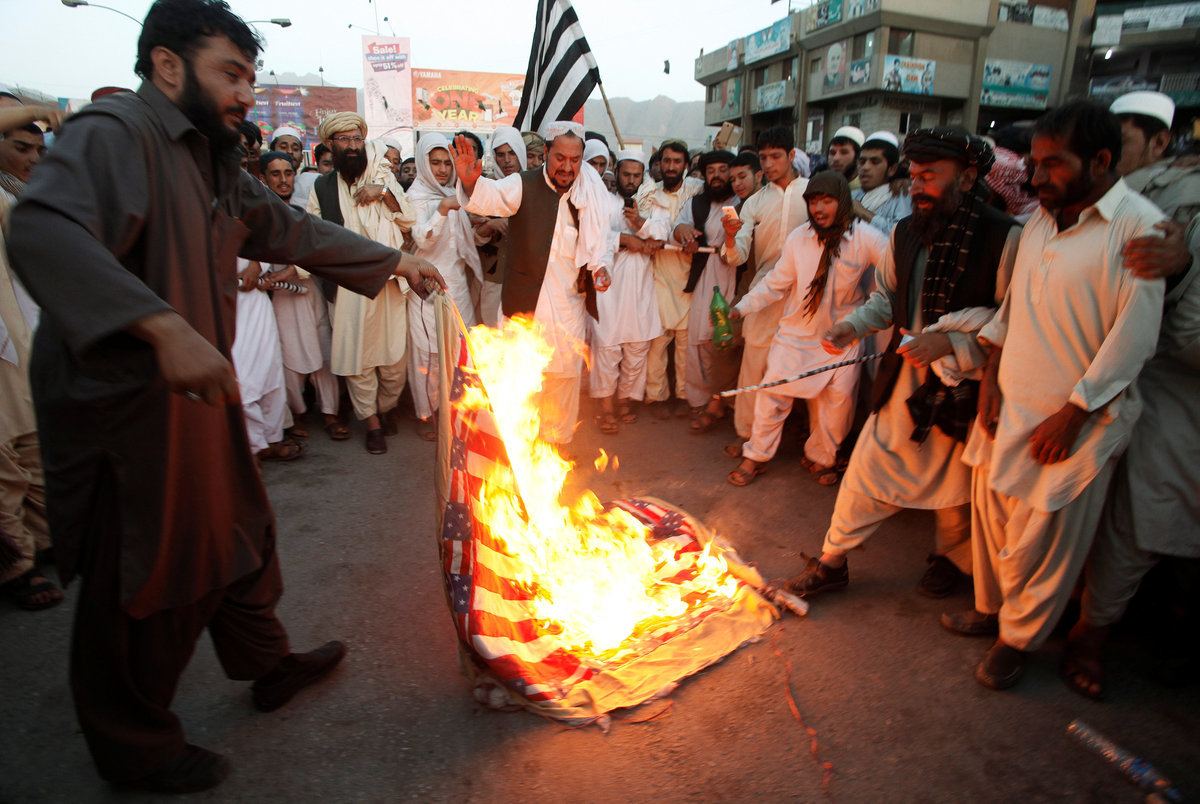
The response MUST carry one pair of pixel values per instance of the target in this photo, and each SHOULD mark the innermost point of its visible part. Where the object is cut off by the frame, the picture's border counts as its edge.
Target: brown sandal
(337, 429)
(607, 422)
(744, 477)
(626, 414)
(281, 451)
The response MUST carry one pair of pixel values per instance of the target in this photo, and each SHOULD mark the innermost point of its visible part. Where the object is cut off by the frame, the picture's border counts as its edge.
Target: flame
(598, 583)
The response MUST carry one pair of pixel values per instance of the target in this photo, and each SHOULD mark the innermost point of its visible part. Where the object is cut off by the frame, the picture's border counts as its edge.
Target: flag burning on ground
(570, 609)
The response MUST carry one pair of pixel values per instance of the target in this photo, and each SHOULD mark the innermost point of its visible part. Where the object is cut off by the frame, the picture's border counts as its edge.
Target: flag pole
(611, 119)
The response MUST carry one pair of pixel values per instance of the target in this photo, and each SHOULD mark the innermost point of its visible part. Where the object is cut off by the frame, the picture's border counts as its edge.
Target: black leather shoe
(941, 578)
(194, 770)
(971, 623)
(818, 577)
(376, 443)
(295, 672)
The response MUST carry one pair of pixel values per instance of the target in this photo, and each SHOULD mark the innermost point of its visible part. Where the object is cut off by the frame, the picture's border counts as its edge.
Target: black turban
(716, 158)
(949, 142)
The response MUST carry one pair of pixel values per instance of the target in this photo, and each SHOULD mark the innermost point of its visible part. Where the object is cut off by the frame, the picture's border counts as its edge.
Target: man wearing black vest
(945, 273)
(709, 371)
(369, 335)
(557, 252)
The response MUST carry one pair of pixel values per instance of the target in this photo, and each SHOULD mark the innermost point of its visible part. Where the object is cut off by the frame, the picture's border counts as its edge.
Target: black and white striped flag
(562, 70)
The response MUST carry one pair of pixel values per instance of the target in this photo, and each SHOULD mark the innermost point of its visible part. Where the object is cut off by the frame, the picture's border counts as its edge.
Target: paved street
(888, 693)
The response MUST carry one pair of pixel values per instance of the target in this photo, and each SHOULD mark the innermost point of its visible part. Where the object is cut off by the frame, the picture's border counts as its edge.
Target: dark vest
(976, 288)
(525, 251)
(326, 189)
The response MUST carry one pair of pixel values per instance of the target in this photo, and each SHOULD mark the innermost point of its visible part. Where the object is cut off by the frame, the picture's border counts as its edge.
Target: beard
(206, 117)
(927, 225)
(350, 164)
(718, 190)
(672, 180)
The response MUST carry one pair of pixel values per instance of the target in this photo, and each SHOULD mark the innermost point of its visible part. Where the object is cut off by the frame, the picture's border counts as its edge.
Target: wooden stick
(611, 118)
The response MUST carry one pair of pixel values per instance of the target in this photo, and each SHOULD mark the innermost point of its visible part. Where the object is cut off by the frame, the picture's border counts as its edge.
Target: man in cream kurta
(796, 347)
(574, 247)
(766, 220)
(369, 335)
(670, 275)
(629, 309)
(1073, 334)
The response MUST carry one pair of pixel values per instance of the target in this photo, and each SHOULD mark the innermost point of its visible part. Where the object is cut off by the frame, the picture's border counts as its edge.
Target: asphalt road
(888, 694)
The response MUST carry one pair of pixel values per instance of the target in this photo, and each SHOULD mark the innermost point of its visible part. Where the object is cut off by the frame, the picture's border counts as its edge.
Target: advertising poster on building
(771, 96)
(729, 95)
(822, 14)
(833, 72)
(1110, 87)
(1162, 17)
(857, 8)
(451, 100)
(769, 41)
(1015, 84)
(387, 85)
(731, 56)
(301, 108)
(860, 72)
(814, 133)
(909, 75)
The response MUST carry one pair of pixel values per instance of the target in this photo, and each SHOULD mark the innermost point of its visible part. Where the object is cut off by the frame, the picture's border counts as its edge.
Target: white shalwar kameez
(258, 363)
(796, 347)
(629, 318)
(768, 217)
(703, 364)
(448, 242)
(670, 277)
(370, 336)
(560, 307)
(1076, 327)
(888, 471)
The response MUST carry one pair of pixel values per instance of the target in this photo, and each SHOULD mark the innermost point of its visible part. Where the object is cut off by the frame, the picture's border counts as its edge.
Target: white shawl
(426, 188)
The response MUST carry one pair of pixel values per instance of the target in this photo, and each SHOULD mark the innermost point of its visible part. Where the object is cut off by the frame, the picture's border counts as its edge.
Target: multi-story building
(1146, 45)
(896, 65)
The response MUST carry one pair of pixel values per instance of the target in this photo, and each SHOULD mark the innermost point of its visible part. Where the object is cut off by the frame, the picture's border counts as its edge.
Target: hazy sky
(68, 52)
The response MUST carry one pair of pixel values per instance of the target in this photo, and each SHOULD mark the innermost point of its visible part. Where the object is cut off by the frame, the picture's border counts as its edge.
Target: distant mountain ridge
(650, 121)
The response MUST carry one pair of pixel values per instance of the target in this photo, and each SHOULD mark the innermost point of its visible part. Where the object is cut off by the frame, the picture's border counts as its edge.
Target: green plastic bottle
(718, 311)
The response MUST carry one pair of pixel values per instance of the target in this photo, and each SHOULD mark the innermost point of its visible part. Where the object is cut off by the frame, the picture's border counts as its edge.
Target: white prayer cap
(1151, 104)
(287, 131)
(593, 149)
(8, 93)
(632, 153)
(884, 136)
(557, 128)
(392, 142)
(851, 133)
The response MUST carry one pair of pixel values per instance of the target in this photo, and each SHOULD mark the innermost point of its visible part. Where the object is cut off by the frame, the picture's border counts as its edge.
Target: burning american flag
(569, 610)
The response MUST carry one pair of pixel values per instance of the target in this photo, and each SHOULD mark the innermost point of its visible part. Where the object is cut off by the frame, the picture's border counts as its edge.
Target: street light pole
(78, 3)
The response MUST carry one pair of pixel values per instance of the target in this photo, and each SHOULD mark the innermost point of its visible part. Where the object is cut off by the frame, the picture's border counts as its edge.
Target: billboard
(833, 67)
(769, 41)
(1015, 84)
(387, 85)
(771, 96)
(860, 72)
(300, 107)
(452, 100)
(909, 75)
(729, 95)
(822, 14)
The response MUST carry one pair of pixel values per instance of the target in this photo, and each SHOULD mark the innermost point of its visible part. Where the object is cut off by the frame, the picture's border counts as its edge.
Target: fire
(598, 583)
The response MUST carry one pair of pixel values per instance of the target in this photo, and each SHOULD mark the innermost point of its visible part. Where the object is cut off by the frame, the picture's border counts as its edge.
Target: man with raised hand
(557, 245)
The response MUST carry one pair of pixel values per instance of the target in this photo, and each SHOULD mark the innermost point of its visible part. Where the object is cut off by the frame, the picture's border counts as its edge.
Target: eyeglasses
(345, 140)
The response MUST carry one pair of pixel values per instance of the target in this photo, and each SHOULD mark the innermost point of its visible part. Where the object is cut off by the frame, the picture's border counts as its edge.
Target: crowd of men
(1031, 299)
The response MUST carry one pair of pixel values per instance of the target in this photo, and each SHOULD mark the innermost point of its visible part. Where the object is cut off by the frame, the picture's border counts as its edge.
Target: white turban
(801, 163)
(593, 149)
(341, 121)
(557, 128)
(632, 153)
(507, 135)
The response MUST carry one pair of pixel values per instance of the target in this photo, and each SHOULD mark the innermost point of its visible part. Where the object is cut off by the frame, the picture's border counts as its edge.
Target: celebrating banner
(452, 100)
